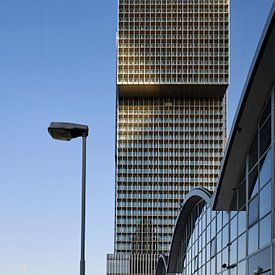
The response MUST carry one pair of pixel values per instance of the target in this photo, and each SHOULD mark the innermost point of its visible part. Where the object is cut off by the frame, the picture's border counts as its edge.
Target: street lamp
(67, 131)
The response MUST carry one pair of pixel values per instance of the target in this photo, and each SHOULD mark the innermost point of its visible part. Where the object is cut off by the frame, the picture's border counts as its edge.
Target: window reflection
(262, 260)
(253, 211)
(253, 239)
(233, 252)
(265, 169)
(265, 200)
(253, 183)
(242, 247)
(265, 231)
(241, 222)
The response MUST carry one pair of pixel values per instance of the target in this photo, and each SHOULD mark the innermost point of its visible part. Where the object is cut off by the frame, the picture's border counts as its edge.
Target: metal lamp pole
(67, 131)
(83, 208)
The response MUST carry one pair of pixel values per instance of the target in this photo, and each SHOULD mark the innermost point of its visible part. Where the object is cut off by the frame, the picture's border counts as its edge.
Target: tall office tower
(172, 75)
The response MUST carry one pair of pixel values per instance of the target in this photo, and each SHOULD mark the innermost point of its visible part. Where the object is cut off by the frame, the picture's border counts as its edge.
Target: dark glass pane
(243, 174)
(253, 239)
(242, 195)
(265, 169)
(253, 154)
(265, 200)
(253, 213)
(266, 112)
(253, 183)
(233, 205)
(265, 136)
(265, 231)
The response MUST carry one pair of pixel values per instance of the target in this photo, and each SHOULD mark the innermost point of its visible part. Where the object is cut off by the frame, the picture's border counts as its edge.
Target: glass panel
(225, 217)
(253, 154)
(242, 247)
(265, 136)
(262, 260)
(242, 195)
(241, 268)
(219, 242)
(225, 256)
(241, 222)
(219, 262)
(225, 236)
(233, 252)
(253, 183)
(233, 205)
(219, 221)
(213, 266)
(253, 239)
(213, 248)
(265, 231)
(253, 211)
(233, 229)
(213, 228)
(265, 169)
(265, 200)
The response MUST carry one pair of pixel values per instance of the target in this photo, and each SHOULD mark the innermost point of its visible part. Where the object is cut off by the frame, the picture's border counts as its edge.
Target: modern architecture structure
(172, 75)
(232, 230)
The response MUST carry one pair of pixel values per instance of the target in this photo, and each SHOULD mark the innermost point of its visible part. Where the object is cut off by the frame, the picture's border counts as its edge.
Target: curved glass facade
(238, 241)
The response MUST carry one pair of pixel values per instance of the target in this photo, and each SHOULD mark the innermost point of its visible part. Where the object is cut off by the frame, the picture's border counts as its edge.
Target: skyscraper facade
(172, 75)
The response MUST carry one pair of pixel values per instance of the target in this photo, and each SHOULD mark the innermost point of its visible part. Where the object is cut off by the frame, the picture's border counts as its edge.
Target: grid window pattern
(172, 41)
(214, 242)
(131, 264)
(165, 147)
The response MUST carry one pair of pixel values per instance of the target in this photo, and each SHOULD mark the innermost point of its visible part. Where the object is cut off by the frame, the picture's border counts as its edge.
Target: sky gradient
(57, 63)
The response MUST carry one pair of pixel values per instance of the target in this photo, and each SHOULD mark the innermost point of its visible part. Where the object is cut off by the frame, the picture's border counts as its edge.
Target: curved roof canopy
(255, 94)
(196, 195)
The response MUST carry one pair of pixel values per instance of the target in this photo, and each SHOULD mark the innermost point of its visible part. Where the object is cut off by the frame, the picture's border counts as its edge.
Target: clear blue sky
(57, 63)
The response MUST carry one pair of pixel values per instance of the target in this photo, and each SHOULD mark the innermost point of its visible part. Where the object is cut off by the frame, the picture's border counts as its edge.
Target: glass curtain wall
(240, 241)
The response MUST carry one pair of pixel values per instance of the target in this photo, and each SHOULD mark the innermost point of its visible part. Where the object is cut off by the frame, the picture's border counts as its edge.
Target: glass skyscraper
(172, 75)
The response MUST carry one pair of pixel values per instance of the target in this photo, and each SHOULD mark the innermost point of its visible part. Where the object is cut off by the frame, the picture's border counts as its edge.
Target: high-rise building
(172, 75)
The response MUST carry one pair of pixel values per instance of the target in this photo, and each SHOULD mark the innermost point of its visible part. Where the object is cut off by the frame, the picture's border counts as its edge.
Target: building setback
(172, 75)
(232, 231)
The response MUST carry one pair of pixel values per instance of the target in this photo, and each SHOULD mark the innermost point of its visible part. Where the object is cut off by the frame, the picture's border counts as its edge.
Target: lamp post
(67, 131)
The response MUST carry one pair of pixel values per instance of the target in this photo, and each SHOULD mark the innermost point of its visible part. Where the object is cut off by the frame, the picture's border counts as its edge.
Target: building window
(265, 169)
(213, 248)
(253, 209)
(253, 239)
(265, 231)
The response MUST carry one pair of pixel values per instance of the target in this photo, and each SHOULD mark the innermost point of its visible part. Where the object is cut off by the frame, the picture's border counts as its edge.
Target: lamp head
(67, 131)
